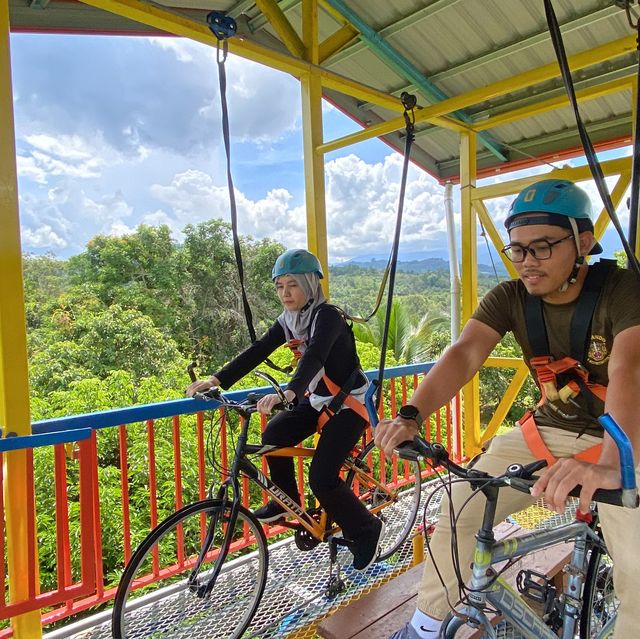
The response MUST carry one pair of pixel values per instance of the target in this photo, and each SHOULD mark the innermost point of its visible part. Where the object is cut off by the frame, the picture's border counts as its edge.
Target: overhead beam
(573, 173)
(549, 71)
(336, 41)
(405, 68)
(282, 26)
(164, 20)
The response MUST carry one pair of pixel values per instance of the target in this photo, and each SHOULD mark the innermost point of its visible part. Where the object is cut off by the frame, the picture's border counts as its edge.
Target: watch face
(410, 412)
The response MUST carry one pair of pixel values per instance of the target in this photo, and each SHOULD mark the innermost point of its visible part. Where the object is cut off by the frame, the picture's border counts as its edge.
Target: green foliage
(407, 342)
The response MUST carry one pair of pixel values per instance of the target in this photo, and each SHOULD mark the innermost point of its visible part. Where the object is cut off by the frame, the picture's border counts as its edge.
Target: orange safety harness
(341, 395)
(567, 372)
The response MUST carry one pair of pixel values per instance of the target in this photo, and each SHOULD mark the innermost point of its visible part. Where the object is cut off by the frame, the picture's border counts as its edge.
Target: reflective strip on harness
(349, 401)
(540, 450)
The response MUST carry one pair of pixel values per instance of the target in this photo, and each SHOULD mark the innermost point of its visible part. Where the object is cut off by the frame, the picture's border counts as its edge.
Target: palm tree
(408, 342)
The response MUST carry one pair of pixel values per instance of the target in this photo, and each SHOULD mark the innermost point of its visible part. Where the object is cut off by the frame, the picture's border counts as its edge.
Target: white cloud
(44, 237)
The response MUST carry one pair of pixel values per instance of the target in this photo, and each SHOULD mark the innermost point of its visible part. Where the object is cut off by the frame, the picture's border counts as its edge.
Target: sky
(113, 132)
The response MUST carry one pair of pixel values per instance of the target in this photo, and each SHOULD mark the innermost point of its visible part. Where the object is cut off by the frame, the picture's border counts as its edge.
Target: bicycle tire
(599, 602)
(400, 515)
(166, 606)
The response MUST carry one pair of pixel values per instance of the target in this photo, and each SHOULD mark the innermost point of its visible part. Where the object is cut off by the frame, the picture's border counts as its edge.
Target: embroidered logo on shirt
(598, 353)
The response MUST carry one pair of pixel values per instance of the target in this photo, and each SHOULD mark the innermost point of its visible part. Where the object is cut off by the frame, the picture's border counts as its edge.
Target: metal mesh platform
(295, 600)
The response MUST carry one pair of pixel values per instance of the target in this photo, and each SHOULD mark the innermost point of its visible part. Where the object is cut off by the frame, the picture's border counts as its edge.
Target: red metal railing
(154, 458)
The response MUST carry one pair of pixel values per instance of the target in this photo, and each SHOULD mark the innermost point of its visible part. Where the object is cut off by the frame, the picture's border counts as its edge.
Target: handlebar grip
(625, 450)
(615, 497)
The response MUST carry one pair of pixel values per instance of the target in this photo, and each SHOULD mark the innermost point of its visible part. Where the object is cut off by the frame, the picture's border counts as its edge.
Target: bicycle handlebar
(521, 477)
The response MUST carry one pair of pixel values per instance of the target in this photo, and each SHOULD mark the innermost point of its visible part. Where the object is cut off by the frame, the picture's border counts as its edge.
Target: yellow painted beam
(274, 14)
(312, 133)
(617, 194)
(471, 390)
(383, 128)
(520, 81)
(577, 174)
(14, 380)
(506, 402)
(164, 20)
(337, 41)
(551, 104)
(503, 362)
(494, 235)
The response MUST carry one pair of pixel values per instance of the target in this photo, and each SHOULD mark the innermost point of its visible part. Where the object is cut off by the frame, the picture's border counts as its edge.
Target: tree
(409, 343)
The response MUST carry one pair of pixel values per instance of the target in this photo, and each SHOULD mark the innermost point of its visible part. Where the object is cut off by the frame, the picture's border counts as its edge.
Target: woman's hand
(201, 385)
(266, 404)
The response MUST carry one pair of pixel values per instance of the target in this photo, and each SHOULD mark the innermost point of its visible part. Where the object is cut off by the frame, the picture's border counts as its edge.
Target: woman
(318, 333)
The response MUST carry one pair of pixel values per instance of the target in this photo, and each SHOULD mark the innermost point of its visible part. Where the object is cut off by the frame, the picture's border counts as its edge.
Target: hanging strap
(635, 173)
(224, 27)
(409, 101)
(589, 151)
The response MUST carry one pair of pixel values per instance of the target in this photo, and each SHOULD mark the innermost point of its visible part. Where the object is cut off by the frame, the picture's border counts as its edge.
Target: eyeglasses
(539, 250)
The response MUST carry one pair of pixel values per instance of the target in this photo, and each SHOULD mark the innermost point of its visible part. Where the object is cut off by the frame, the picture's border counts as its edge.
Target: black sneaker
(271, 511)
(365, 548)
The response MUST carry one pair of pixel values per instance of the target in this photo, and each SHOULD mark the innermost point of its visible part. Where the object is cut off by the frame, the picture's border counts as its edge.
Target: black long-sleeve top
(331, 345)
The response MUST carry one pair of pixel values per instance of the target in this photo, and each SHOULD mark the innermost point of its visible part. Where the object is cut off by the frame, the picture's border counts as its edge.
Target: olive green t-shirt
(618, 308)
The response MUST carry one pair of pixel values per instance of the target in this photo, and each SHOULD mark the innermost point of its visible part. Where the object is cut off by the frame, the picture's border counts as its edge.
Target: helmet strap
(573, 276)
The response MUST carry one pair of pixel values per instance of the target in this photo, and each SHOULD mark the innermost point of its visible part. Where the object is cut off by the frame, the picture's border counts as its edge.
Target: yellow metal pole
(14, 383)
(312, 138)
(471, 391)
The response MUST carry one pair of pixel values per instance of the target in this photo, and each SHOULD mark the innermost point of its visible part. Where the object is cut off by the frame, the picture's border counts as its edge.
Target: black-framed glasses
(539, 249)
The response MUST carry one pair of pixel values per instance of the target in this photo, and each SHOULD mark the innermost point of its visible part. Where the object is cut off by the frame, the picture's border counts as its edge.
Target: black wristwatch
(411, 412)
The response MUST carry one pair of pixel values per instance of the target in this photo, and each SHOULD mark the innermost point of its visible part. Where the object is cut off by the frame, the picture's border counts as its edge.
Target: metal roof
(489, 63)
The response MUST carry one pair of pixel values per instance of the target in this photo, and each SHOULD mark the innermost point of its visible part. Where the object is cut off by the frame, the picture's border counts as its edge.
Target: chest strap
(540, 450)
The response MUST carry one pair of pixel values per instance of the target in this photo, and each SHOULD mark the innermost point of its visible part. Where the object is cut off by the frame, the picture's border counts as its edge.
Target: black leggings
(339, 435)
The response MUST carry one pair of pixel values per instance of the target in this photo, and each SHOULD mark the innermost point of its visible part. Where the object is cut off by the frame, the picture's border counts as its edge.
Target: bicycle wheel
(154, 598)
(398, 512)
(599, 601)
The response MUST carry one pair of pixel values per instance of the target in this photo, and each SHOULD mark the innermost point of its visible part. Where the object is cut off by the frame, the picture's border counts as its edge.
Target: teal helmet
(296, 261)
(554, 202)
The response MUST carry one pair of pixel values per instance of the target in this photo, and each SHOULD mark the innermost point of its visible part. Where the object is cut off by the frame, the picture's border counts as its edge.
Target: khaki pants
(621, 528)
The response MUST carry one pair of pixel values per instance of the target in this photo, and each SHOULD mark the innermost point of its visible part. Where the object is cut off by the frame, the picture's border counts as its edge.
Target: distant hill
(415, 264)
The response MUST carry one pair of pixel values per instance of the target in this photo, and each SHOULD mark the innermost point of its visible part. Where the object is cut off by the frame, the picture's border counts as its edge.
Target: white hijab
(296, 323)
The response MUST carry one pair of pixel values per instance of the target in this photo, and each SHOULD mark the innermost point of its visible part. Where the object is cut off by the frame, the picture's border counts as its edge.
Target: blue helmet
(554, 202)
(296, 261)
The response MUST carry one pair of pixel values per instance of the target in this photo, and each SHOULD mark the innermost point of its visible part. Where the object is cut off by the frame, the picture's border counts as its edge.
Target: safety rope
(635, 173)
(224, 27)
(409, 102)
(589, 151)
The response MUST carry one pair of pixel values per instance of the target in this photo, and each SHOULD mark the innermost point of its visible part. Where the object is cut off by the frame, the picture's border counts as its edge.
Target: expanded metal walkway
(295, 599)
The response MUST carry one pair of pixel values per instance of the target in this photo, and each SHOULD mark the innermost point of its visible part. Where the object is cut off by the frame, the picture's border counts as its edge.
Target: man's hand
(390, 433)
(267, 403)
(566, 474)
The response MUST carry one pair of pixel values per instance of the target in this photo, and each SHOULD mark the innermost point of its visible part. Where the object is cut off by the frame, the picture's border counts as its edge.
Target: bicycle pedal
(535, 586)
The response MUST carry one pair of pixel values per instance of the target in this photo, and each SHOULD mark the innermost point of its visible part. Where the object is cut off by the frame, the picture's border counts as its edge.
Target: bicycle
(223, 548)
(587, 604)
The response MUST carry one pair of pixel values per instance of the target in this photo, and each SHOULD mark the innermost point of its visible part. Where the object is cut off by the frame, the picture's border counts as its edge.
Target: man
(550, 232)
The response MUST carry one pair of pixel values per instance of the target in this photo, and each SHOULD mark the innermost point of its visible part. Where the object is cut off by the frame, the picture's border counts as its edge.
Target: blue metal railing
(75, 428)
